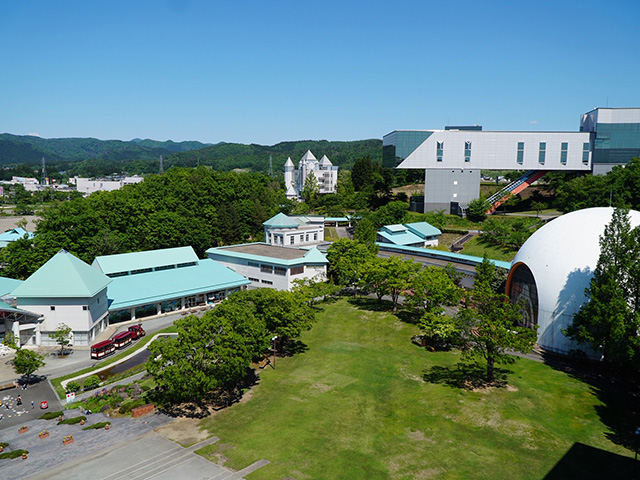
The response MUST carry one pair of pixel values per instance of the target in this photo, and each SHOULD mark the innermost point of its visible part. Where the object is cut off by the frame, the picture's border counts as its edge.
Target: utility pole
(43, 179)
(270, 165)
(161, 166)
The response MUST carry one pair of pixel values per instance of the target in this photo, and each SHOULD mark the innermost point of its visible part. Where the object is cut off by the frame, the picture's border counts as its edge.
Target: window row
(542, 152)
(280, 270)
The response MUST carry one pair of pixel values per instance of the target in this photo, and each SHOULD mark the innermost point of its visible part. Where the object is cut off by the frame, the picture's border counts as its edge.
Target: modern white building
(294, 230)
(269, 266)
(64, 290)
(453, 158)
(89, 185)
(324, 171)
(551, 270)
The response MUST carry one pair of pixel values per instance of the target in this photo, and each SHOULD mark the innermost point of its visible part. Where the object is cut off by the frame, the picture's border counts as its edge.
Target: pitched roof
(162, 285)
(127, 262)
(308, 156)
(281, 220)
(288, 163)
(63, 276)
(325, 161)
(8, 285)
(401, 238)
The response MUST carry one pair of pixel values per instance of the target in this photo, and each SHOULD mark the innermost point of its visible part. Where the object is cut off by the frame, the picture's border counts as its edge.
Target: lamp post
(275, 337)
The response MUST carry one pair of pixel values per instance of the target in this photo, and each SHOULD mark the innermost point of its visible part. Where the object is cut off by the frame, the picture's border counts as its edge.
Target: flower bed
(23, 429)
(67, 440)
(44, 434)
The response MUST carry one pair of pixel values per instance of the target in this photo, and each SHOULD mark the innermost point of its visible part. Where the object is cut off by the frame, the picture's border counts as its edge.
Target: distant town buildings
(89, 185)
(294, 230)
(323, 170)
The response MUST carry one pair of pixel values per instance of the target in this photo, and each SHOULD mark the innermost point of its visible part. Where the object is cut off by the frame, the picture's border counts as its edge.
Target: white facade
(561, 257)
(324, 171)
(87, 317)
(90, 185)
(500, 151)
(267, 266)
(294, 231)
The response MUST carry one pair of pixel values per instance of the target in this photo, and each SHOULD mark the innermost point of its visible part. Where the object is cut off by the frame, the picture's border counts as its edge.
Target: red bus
(122, 339)
(102, 349)
(136, 332)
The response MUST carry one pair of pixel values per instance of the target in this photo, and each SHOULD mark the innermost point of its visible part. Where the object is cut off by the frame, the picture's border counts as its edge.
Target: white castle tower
(324, 171)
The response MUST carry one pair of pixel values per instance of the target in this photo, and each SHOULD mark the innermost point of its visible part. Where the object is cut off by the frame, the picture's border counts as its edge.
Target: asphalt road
(14, 415)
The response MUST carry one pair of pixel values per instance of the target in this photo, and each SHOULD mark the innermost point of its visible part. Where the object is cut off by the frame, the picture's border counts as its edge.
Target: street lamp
(275, 337)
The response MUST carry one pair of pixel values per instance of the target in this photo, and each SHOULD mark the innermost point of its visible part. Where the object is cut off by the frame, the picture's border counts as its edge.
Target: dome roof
(561, 257)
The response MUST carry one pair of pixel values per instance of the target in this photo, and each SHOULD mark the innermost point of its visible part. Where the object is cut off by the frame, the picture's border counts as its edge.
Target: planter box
(67, 442)
(44, 435)
(23, 430)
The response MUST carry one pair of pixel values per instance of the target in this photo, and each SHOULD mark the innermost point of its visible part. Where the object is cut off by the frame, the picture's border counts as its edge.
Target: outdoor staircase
(513, 188)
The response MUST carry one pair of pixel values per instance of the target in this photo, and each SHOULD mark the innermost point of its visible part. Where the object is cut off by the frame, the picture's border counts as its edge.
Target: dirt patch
(420, 436)
(184, 431)
(321, 387)
(246, 396)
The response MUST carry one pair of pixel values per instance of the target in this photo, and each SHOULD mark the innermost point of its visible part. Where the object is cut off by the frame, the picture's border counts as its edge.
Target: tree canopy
(26, 362)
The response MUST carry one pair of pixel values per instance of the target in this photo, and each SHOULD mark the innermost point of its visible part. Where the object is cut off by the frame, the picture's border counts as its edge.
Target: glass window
(563, 153)
(542, 153)
(280, 271)
(522, 288)
(296, 270)
(292, 239)
(439, 151)
(520, 158)
(467, 152)
(585, 153)
(266, 268)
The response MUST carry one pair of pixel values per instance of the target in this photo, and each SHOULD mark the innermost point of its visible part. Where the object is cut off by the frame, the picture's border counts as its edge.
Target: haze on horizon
(266, 72)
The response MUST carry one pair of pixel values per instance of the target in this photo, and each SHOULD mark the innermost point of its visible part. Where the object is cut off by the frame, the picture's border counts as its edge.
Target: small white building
(271, 266)
(418, 234)
(324, 171)
(64, 290)
(294, 230)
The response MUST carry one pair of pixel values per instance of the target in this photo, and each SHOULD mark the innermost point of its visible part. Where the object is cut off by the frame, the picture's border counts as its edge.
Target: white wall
(499, 151)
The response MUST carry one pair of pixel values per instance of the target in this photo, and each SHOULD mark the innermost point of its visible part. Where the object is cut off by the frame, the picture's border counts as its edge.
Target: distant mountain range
(92, 156)
(18, 149)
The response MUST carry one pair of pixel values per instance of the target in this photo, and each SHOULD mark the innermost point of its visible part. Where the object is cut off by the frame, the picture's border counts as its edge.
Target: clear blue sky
(265, 71)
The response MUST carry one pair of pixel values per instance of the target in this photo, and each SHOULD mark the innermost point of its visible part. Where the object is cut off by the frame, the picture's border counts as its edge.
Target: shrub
(91, 382)
(50, 415)
(72, 420)
(97, 426)
(13, 453)
(128, 406)
(73, 387)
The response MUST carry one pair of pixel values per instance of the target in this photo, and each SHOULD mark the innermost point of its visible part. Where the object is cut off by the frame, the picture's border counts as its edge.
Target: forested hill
(93, 157)
(18, 149)
(227, 156)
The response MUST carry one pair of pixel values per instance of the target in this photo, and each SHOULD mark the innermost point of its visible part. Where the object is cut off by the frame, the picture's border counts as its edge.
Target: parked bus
(122, 339)
(136, 332)
(102, 349)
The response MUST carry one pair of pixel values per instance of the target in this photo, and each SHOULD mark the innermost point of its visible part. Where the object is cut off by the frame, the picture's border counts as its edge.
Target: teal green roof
(443, 254)
(8, 285)
(127, 262)
(423, 229)
(402, 237)
(336, 219)
(5, 307)
(63, 276)
(281, 220)
(159, 286)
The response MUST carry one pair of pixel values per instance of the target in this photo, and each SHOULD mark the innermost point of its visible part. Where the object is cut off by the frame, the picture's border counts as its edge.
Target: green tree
(538, 207)
(375, 277)
(312, 288)
(610, 320)
(366, 232)
(392, 213)
(310, 189)
(348, 261)
(26, 362)
(62, 336)
(362, 174)
(432, 288)
(478, 209)
(489, 328)
(400, 273)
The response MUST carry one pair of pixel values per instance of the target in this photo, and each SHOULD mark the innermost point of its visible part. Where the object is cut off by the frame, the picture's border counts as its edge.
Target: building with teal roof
(294, 230)
(417, 234)
(271, 266)
(64, 290)
(12, 235)
(160, 281)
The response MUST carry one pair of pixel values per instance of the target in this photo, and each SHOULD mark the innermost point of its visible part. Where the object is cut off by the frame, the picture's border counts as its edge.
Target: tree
(478, 209)
(366, 232)
(432, 288)
(538, 207)
(610, 320)
(348, 262)
(489, 328)
(362, 173)
(392, 213)
(62, 336)
(375, 277)
(27, 362)
(208, 356)
(312, 288)
(400, 273)
(310, 188)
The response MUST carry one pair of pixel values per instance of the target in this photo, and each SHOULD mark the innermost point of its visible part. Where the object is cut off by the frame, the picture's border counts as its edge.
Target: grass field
(478, 248)
(356, 405)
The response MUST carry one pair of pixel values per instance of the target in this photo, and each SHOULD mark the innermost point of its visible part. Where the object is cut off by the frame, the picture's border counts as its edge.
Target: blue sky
(259, 71)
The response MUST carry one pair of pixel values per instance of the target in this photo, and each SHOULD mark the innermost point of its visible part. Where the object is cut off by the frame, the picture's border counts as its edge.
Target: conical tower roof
(308, 157)
(325, 161)
(288, 163)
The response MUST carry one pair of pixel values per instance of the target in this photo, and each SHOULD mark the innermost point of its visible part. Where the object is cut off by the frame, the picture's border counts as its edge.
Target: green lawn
(355, 406)
(478, 248)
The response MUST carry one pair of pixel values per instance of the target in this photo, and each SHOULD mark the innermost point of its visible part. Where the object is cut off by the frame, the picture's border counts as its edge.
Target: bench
(264, 362)
(7, 386)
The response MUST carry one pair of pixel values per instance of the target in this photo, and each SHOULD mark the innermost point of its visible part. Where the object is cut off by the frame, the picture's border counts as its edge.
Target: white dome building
(552, 270)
